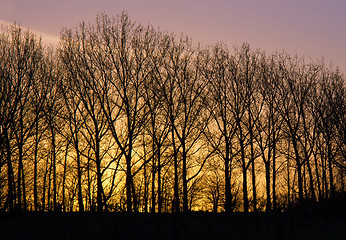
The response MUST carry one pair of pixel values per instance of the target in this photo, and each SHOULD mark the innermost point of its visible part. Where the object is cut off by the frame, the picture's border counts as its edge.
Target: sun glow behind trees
(122, 117)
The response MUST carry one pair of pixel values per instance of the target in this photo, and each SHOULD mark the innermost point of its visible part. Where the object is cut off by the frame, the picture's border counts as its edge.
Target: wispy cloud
(46, 37)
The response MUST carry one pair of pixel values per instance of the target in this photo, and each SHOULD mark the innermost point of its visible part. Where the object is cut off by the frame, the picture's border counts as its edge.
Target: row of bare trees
(122, 117)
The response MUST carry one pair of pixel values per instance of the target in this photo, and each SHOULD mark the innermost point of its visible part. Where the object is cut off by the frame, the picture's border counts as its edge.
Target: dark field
(196, 225)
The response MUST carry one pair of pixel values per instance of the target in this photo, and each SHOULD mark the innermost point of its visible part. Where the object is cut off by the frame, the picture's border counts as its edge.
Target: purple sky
(310, 28)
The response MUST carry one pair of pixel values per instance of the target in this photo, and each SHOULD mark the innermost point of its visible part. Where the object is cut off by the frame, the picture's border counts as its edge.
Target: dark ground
(198, 225)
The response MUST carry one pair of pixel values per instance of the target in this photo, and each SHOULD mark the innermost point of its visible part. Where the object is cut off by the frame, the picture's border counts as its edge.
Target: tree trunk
(135, 202)
(54, 168)
(274, 172)
(185, 197)
(245, 195)
(64, 179)
(317, 174)
(49, 189)
(99, 187)
(330, 168)
(44, 186)
(324, 178)
(288, 175)
(299, 172)
(253, 170)
(176, 202)
(159, 197)
(10, 195)
(300, 182)
(145, 182)
(128, 184)
(244, 169)
(228, 193)
(79, 176)
(25, 207)
(19, 175)
(267, 174)
(153, 198)
(36, 208)
(253, 181)
(311, 182)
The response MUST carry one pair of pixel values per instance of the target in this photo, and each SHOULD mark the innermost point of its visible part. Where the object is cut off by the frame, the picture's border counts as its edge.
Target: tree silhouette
(122, 117)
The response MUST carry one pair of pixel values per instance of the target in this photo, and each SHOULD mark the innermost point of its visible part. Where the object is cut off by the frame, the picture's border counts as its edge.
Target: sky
(309, 28)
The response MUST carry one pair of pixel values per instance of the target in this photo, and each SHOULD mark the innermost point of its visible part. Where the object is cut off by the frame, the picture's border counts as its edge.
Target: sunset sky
(310, 28)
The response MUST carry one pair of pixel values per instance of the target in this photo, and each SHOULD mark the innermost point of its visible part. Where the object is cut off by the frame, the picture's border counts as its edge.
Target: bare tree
(294, 87)
(76, 52)
(269, 127)
(220, 105)
(240, 73)
(158, 124)
(21, 69)
(74, 116)
(126, 117)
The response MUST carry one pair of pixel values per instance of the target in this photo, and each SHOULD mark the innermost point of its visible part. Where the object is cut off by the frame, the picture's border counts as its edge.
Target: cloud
(47, 38)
